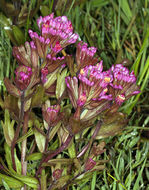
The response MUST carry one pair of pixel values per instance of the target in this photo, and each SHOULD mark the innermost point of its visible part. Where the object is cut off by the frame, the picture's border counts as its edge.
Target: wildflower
(89, 97)
(44, 73)
(123, 85)
(56, 34)
(50, 71)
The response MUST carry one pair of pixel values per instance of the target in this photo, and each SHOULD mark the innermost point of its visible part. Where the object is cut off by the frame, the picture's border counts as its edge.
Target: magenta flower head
(123, 85)
(39, 43)
(51, 114)
(85, 55)
(56, 33)
(88, 95)
(23, 77)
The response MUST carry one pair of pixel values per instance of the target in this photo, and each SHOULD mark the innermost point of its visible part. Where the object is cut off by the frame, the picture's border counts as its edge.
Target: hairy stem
(54, 153)
(17, 131)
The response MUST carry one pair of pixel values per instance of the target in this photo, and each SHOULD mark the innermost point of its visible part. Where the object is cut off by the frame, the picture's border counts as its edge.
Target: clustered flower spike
(98, 90)
(56, 34)
(90, 92)
(123, 86)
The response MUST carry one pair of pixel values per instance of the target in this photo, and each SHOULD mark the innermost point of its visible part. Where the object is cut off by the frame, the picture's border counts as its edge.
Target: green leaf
(8, 128)
(93, 184)
(61, 161)
(99, 3)
(136, 185)
(72, 150)
(51, 79)
(28, 180)
(18, 34)
(43, 180)
(4, 20)
(126, 9)
(38, 97)
(11, 182)
(54, 131)
(5, 184)
(40, 139)
(9, 159)
(61, 84)
(28, 134)
(113, 125)
(44, 10)
(34, 156)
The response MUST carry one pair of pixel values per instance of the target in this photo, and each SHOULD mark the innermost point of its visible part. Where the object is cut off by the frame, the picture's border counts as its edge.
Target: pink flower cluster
(101, 90)
(88, 86)
(123, 85)
(56, 33)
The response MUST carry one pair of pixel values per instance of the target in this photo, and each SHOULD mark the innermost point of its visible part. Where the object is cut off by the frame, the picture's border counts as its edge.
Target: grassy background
(120, 31)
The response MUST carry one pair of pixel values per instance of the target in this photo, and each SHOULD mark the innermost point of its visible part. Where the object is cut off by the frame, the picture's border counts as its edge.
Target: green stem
(17, 130)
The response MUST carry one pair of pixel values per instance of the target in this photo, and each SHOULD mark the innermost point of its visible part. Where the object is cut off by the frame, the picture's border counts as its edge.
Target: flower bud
(50, 114)
(23, 77)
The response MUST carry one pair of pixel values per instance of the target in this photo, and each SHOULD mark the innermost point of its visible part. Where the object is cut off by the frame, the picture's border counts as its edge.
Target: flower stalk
(87, 146)
(18, 129)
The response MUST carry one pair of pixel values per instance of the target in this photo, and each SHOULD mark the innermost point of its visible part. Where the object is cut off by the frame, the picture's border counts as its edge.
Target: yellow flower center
(107, 79)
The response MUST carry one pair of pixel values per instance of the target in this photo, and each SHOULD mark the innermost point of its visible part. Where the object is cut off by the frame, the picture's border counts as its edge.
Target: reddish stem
(54, 153)
(47, 138)
(85, 148)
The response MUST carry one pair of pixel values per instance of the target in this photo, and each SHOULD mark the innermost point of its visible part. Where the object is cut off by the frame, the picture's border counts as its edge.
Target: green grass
(120, 30)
